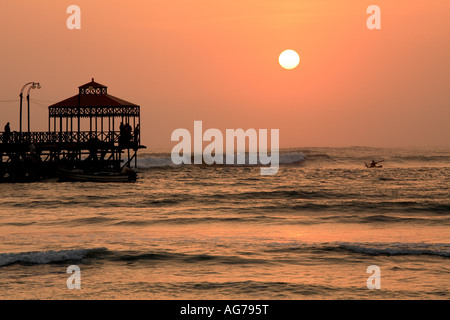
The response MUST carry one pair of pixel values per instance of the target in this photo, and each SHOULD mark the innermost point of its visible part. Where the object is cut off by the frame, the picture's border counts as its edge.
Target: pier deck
(38, 155)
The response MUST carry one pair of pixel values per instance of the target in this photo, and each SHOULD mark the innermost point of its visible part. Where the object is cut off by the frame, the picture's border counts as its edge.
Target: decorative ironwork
(45, 137)
(92, 90)
(86, 112)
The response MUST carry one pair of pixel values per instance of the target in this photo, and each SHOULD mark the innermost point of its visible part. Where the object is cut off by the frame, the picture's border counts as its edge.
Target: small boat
(370, 167)
(79, 175)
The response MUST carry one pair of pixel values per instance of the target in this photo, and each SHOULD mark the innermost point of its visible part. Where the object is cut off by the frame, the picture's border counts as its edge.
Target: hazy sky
(217, 61)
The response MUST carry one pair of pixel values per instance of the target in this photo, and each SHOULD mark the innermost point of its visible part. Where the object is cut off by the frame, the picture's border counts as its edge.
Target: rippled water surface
(204, 232)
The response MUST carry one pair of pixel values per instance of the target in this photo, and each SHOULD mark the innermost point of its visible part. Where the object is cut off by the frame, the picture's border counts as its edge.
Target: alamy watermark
(374, 281)
(374, 21)
(74, 20)
(239, 153)
(74, 281)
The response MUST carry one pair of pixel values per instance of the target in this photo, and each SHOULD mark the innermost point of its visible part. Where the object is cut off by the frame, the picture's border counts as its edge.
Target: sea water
(227, 232)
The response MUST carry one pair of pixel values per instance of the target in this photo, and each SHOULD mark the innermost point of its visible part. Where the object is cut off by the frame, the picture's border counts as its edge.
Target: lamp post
(33, 86)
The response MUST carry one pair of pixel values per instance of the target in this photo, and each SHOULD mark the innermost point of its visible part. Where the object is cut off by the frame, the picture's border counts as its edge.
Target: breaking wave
(165, 160)
(371, 249)
(328, 156)
(320, 249)
(44, 257)
(411, 249)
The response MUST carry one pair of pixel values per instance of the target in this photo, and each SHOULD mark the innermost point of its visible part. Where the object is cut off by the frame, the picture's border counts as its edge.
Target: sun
(289, 59)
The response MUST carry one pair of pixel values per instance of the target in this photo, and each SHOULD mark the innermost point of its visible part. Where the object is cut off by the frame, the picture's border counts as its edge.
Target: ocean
(227, 232)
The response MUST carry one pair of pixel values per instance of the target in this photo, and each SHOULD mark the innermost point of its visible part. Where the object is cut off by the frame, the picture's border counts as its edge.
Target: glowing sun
(289, 59)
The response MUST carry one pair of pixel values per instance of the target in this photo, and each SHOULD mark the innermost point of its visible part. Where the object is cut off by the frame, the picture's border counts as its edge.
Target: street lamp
(34, 85)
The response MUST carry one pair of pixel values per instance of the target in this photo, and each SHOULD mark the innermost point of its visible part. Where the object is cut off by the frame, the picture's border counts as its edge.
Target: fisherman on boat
(373, 164)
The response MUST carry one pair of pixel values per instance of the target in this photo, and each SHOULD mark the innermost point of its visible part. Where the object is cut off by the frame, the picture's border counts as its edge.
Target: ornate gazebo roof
(93, 100)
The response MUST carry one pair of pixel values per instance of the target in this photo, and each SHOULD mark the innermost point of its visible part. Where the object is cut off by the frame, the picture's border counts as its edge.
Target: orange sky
(217, 61)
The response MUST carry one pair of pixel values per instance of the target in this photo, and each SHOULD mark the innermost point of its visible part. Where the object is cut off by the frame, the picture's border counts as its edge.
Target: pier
(91, 131)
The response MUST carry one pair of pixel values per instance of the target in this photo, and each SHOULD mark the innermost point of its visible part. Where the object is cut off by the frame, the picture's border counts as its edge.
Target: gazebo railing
(64, 137)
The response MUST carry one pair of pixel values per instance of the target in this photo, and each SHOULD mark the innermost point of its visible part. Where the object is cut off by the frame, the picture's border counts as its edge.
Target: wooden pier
(110, 143)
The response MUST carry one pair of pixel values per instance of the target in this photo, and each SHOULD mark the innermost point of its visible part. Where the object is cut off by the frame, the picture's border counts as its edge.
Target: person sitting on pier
(7, 133)
(32, 148)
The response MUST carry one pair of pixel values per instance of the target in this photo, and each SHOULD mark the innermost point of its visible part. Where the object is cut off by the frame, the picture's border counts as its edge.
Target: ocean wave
(203, 220)
(290, 158)
(164, 160)
(256, 289)
(330, 156)
(360, 207)
(423, 158)
(154, 161)
(278, 194)
(132, 256)
(45, 257)
(412, 249)
(372, 249)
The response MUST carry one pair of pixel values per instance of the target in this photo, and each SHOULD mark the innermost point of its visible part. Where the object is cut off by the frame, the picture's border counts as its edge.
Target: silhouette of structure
(83, 133)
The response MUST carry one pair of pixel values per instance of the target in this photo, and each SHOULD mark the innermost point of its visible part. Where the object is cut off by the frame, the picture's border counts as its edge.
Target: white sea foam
(294, 157)
(149, 162)
(163, 160)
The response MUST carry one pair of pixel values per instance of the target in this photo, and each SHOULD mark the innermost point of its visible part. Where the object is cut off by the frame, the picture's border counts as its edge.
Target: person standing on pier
(7, 133)
(128, 135)
(137, 132)
(122, 128)
(122, 134)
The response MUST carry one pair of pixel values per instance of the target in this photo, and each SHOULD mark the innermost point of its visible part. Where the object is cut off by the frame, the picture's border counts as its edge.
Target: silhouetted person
(32, 148)
(122, 133)
(373, 163)
(137, 132)
(127, 133)
(7, 133)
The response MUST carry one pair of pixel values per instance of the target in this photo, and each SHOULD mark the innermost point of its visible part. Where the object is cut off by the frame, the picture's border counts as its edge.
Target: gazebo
(97, 119)
(103, 111)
